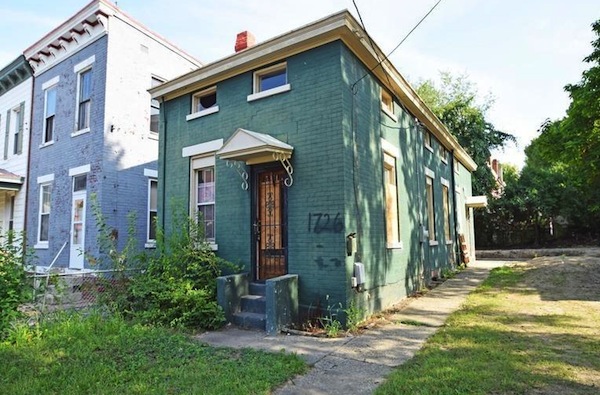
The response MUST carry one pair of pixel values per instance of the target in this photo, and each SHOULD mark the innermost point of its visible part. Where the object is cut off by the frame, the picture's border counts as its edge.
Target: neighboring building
(496, 168)
(15, 114)
(95, 131)
(312, 164)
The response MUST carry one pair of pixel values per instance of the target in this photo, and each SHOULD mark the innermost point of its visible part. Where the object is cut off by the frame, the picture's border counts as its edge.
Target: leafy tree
(455, 103)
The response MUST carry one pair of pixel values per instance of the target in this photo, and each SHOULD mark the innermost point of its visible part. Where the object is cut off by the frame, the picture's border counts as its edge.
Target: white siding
(133, 59)
(16, 164)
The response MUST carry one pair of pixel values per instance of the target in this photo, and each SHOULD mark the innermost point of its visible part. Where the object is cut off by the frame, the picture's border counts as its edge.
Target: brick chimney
(244, 40)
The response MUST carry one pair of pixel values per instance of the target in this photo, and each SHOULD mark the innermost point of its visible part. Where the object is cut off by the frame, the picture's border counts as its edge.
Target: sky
(520, 52)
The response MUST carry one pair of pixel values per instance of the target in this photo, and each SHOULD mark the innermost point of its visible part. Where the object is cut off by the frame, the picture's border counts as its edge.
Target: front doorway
(77, 236)
(270, 224)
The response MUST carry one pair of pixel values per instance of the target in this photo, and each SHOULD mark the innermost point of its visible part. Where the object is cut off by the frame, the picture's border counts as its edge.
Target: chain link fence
(63, 289)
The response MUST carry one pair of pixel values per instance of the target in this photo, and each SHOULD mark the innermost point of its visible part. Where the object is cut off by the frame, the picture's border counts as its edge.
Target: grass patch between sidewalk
(519, 332)
(96, 355)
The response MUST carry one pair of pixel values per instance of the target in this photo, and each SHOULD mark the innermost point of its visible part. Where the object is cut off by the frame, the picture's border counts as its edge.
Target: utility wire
(397, 46)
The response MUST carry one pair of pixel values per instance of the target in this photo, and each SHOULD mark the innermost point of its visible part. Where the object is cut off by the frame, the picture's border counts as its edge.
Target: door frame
(256, 170)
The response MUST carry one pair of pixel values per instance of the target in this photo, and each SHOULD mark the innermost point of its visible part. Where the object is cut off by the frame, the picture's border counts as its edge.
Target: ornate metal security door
(270, 224)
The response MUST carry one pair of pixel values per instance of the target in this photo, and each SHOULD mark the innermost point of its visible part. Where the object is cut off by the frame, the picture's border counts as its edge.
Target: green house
(316, 166)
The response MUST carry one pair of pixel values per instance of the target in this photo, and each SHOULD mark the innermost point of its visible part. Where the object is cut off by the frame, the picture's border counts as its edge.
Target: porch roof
(254, 148)
(10, 181)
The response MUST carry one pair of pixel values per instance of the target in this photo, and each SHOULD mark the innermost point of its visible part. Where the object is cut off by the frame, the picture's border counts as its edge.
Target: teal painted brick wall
(309, 117)
(391, 273)
(323, 120)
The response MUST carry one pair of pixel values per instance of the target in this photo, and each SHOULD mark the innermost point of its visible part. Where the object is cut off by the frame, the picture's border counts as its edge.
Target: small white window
(84, 101)
(270, 81)
(427, 140)
(203, 103)
(387, 104)
(204, 100)
(443, 154)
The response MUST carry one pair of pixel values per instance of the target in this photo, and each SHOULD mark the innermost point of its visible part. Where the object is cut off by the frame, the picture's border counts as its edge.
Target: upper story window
(84, 100)
(387, 104)
(204, 103)
(19, 114)
(154, 107)
(429, 177)
(205, 99)
(427, 140)
(270, 81)
(443, 154)
(50, 114)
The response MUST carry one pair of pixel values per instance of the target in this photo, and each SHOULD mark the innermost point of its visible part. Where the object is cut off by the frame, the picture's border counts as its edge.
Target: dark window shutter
(7, 135)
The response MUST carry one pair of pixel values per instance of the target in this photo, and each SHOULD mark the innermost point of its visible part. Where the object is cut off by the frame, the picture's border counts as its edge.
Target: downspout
(419, 173)
(162, 140)
(455, 209)
(27, 198)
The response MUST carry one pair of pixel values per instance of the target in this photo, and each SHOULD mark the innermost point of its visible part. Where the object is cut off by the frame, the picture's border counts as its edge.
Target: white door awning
(254, 148)
(476, 201)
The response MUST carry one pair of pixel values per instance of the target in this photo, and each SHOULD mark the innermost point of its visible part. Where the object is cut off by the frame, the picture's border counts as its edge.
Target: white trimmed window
(446, 203)
(443, 154)
(19, 114)
(203, 103)
(203, 194)
(84, 99)
(152, 210)
(387, 104)
(427, 140)
(50, 113)
(430, 210)
(44, 214)
(390, 184)
(270, 81)
(154, 107)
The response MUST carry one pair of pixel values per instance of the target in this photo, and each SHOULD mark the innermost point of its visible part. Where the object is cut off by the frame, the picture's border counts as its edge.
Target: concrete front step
(254, 304)
(257, 289)
(250, 320)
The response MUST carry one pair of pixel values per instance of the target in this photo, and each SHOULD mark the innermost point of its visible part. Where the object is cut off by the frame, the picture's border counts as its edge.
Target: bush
(12, 279)
(176, 285)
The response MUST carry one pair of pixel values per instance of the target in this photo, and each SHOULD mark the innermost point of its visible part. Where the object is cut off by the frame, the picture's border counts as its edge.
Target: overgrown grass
(105, 355)
(509, 340)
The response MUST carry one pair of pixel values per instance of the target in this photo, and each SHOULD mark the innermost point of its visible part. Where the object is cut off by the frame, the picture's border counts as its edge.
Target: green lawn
(521, 332)
(95, 355)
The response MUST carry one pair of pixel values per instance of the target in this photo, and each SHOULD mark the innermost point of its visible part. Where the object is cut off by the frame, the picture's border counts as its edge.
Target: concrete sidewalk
(358, 364)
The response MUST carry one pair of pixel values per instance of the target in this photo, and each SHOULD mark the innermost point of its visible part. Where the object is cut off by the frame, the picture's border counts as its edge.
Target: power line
(397, 46)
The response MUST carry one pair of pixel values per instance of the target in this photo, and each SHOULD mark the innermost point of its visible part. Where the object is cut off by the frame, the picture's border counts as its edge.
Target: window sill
(433, 242)
(390, 114)
(214, 247)
(270, 92)
(444, 161)
(49, 143)
(153, 135)
(80, 132)
(394, 246)
(41, 246)
(202, 113)
(150, 244)
(429, 147)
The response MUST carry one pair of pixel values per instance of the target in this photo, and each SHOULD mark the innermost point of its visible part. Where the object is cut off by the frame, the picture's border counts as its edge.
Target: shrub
(12, 279)
(176, 284)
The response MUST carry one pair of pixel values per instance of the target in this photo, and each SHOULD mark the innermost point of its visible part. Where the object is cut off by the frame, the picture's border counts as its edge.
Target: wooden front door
(270, 235)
